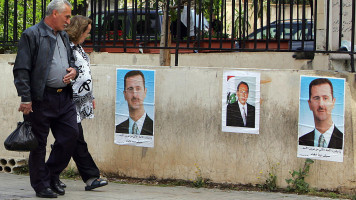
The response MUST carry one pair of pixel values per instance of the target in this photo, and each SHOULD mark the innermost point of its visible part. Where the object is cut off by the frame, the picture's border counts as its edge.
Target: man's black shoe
(62, 184)
(46, 193)
(55, 186)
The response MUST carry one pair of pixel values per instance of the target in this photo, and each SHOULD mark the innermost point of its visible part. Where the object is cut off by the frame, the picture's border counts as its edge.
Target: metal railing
(198, 26)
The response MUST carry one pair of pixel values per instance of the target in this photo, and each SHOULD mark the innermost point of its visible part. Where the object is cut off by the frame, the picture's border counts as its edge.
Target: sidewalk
(18, 187)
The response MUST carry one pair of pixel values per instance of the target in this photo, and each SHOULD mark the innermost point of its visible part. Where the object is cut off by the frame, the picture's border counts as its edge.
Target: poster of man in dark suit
(321, 118)
(241, 113)
(139, 122)
(240, 105)
(321, 102)
(133, 127)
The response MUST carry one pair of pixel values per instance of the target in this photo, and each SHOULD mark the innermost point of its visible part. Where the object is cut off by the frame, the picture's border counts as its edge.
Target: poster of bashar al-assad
(241, 102)
(321, 118)
(134, 107)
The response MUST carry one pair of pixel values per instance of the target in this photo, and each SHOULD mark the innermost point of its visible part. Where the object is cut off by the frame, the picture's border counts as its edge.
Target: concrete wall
(188, 120)
(271, 60)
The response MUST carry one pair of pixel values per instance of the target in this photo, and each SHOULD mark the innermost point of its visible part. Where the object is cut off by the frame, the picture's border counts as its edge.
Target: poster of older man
(240, 102)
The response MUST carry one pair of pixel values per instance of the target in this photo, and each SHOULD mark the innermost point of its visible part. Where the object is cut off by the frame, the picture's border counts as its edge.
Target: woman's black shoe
(96, 183)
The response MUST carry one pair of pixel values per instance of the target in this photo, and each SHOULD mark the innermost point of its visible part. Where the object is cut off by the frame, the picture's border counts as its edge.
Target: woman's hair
(78, 25)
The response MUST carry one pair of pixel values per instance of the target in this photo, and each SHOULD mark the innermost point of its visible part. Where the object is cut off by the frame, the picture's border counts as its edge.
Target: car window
(111, 25)
(285, 31)
(263, 34)
(298, 31)
(145, 23)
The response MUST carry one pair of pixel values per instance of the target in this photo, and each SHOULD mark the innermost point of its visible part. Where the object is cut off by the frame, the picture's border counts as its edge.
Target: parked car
(139, 23)
(285, 32)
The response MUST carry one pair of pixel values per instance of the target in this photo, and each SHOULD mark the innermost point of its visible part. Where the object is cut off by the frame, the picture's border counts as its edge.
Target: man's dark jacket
(147, 128)
(234, 117)
(336, 139)
(34, 56)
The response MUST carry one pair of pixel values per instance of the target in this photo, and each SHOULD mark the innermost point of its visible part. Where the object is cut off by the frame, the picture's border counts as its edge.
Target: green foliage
(17, 16)
(199, 180)
(261, 7)
(333, 195)
(70, 173)
(271, 182)
(23, 20)
(205, 7)
(215, 9)
(307, 2)
(271, 179)
(79, 2)
(297, 183)
(262, 4)
(329, 194)
(21, 170)
(239, 22)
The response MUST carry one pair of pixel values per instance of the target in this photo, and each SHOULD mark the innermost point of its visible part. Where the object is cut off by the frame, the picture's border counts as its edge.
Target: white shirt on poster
(327, 136)
(138, 122)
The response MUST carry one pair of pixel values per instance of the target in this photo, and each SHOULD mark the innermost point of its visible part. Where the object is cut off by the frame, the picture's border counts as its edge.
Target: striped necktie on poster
(322, 141)
(134, 129)
(244, 116)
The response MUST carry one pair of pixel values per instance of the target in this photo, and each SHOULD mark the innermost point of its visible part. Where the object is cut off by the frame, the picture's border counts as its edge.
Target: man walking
(43, 71)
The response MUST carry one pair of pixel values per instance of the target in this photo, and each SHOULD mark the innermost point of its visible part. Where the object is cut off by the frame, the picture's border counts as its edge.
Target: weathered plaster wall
(188, 122)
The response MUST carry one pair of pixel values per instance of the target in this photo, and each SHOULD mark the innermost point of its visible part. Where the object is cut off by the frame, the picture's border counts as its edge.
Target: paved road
(18, 187)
